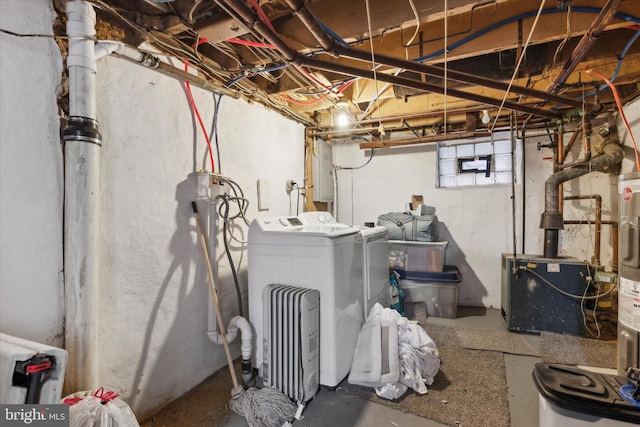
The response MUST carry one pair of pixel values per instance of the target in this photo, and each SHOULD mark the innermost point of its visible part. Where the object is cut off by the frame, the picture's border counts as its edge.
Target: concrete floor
(342, 410)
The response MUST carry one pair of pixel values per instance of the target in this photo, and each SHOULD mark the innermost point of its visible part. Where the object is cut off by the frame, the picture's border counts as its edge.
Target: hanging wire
(446, 61)
(415, 13)
(515, 72)
(566, 37)
(373, 61)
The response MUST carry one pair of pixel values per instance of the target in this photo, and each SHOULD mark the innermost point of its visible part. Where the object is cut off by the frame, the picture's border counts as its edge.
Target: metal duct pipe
(587, 41)
(340, 50)
(551, 220)
(252, 20)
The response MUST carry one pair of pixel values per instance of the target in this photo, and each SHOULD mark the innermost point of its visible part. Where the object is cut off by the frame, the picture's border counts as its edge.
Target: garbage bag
(99, 408)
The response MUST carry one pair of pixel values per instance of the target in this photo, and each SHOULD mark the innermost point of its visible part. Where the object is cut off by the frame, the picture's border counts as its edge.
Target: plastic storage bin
(574, 397)
(439, 290)
(417, 256)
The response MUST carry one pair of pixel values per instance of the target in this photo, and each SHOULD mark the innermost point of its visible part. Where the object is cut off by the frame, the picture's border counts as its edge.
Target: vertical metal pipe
(560, 160)
(551, 243)
(81, 204)
(614, 227)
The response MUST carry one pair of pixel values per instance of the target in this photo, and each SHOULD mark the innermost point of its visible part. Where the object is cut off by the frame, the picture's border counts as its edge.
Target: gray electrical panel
(322, 172)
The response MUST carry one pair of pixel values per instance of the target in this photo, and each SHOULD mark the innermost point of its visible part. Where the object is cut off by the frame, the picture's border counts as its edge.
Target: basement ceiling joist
(485, 38)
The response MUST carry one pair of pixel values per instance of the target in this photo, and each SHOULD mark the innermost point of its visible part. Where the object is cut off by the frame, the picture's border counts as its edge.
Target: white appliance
(292, 334)
(16, 350)
(375, 274)
(311, 251)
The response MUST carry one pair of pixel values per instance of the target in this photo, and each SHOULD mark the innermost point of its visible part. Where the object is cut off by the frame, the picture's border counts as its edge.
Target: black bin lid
(449, 274)
(583, 391)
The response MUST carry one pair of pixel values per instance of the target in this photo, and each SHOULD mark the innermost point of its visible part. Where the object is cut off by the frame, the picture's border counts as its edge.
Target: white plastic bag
(99, 409)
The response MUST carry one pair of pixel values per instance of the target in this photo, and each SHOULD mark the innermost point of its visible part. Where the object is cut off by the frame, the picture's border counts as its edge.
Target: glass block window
(475, 164)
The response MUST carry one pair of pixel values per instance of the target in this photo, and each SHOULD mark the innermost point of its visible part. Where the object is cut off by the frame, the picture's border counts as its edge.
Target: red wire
(620, 108)
(194, 107)
(263, 15)
(250, 43)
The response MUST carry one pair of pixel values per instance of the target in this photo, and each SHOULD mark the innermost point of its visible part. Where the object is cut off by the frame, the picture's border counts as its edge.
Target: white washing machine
(374, 243)
(312, 251)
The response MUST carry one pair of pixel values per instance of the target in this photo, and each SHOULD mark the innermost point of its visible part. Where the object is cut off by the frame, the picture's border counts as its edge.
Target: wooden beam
(423, 140)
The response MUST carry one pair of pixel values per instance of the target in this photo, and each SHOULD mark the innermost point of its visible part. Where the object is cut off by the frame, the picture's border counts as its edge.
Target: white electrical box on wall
(322, 172)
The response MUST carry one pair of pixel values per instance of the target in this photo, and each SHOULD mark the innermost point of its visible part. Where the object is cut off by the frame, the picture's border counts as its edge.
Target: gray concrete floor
(342, 410)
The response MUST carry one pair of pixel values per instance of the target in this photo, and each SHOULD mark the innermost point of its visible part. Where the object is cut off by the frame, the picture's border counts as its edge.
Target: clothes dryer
(374, 244)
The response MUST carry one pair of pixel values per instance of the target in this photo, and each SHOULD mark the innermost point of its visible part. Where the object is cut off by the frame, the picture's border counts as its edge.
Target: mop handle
(214, 293)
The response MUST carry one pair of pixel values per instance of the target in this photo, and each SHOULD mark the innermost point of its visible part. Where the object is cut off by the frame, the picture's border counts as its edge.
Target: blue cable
(620, 15)
(215, 128)
(332, 34)
(615, 74)
(580, 9)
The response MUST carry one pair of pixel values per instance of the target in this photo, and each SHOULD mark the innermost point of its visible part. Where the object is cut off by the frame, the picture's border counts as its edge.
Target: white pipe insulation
(81, 205)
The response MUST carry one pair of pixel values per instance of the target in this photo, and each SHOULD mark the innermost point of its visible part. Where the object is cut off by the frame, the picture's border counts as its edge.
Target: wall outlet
(290, 183)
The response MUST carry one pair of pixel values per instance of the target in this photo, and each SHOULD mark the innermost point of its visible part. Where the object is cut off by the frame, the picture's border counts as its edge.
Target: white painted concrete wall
(478, 221)
(31, 176)
(154, 289)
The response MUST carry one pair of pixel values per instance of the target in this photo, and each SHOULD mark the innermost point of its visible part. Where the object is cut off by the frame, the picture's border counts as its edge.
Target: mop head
(265, 407)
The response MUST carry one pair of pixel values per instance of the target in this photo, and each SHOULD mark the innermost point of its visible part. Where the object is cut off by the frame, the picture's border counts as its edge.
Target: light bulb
(485, 117)
(343, 120)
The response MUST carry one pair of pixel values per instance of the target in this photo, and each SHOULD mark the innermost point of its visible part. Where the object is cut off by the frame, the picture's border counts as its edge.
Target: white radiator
(291, 361)
(15, 350)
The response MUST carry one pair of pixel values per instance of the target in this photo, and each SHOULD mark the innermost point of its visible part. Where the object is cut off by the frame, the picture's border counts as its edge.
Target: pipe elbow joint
(239, 322)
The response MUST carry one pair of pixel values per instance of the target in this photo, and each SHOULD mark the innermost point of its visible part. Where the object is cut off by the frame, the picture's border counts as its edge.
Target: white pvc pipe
(107, 47)
(237, 322)
(81, 207)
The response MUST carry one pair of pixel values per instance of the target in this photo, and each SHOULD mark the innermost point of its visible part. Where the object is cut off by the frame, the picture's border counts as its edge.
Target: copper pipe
(598, 222)
(558, 161)
(571, 141)
(551, 219)
(590, 37)
(586, 125)
(614, 228)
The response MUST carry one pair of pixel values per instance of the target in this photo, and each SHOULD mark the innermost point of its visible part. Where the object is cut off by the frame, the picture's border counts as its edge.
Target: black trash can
(574, 397)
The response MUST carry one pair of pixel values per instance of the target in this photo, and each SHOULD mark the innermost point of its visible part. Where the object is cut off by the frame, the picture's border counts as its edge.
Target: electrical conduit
(81, 205)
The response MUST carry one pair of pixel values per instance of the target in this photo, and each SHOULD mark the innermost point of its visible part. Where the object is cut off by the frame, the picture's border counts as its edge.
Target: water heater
(629, 291)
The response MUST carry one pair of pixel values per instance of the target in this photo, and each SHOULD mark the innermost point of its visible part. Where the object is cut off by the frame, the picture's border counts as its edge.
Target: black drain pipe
(552, 221)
